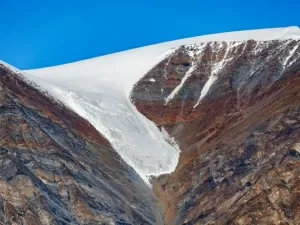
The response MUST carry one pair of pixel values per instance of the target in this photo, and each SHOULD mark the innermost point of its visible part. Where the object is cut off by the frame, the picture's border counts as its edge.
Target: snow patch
(286, 62)
(187, 74)
(169, 139)
(175, 91)
(168, 53)
(206, 87)
(216, 68)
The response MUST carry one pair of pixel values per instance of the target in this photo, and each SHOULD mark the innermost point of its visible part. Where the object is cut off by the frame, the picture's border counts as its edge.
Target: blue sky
(37, 33)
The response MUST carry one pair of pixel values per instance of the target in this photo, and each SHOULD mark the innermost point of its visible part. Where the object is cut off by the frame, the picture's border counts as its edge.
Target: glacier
(98, 89)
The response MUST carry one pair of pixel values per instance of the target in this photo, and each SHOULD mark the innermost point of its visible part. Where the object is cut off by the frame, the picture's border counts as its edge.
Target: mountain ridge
(56, 168)
(203, 118)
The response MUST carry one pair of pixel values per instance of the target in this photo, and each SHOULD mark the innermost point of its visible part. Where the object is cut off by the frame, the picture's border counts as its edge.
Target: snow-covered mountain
(215, 119)
(98, 90)
(234, 109)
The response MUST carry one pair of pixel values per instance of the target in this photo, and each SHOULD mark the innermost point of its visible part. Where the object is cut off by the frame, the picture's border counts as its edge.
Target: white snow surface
(174, 92)
(287, 62)
(98, 90)
(206, 87)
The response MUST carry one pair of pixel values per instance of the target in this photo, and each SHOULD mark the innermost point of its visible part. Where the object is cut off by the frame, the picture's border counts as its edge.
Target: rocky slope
(55, 168)
(234, 109)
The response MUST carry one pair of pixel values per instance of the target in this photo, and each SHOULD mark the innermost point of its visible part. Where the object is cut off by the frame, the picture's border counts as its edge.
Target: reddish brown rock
(240, 144)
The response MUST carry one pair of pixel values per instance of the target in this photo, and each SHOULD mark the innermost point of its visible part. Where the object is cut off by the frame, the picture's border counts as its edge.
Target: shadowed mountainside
(55, 168)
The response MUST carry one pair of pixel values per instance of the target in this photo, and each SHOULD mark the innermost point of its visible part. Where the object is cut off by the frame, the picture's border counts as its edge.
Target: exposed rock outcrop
(234, 109)
(55, 168)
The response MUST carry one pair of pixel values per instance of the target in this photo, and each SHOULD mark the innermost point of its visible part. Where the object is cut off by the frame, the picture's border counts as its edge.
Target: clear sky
(39, 33)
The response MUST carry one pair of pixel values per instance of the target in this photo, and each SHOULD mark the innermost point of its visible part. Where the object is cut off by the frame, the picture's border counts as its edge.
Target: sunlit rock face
(55, 168)
(234, 109)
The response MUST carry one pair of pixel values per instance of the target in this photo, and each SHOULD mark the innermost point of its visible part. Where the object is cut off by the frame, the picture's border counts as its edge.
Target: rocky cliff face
(234, 109)
(55, 168)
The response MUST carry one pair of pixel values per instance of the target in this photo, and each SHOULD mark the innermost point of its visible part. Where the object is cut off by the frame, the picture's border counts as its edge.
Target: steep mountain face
(98, 89)
(55, 168)
(234, 109)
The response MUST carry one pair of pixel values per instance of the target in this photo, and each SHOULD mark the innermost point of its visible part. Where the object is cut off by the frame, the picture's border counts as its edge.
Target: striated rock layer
(234, 109)
(55, 168)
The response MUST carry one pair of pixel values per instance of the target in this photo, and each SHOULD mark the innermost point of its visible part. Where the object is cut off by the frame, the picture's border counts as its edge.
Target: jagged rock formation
(55, 168)
(234, 109)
